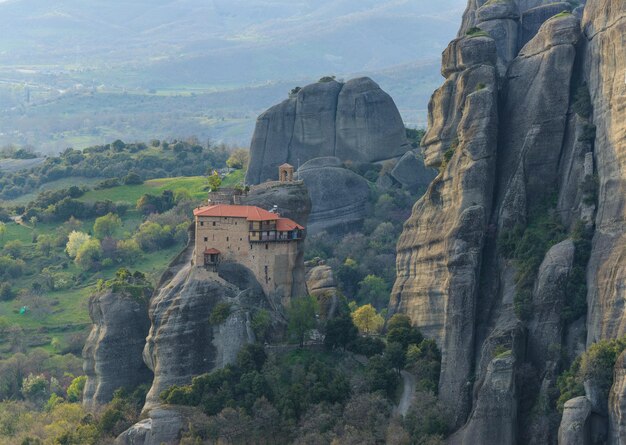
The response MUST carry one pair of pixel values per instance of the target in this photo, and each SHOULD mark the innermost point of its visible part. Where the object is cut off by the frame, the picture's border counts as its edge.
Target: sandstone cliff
(353, 121)
(516, 146)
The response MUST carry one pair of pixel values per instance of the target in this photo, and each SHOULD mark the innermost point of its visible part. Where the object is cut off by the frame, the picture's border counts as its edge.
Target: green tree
(368, 320)
(128, 251)
(45, 243)
(14, 248)
(181, 195)
(380, 376)
(75, 390)
(106, 225)
(3, 230)
(261, 324)
(301, 316)
(214, 181)
(374, 290)
(238, 159)
(340, 332)
(399, 330)
(88, 255)
(396, 355)
(6, 292)
(75, 242)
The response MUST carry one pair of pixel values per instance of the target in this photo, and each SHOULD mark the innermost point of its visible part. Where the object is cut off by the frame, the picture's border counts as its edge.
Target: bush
(367, 346)
(132, 179)
(595, 365)
(6, 292)
(220, 313)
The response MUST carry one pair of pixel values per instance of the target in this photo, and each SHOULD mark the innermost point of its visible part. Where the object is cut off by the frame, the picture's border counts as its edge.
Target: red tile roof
(211, 251)
(251, 213)
(286, 224)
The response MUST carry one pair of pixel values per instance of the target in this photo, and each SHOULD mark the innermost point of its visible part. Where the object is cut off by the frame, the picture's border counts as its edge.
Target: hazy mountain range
(67, 57)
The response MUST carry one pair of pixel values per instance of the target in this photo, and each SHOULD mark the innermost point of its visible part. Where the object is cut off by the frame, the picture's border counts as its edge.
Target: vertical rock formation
(605, 24)
(354, 121)
(536, 153)
(439, 251)
(112, 352)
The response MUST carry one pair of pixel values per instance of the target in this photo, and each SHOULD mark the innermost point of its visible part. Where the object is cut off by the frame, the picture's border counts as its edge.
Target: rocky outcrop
(617, 403)
(605, 23)
(439, 251)
(320, 280)
(182, 342)
(545, 327)
(290, 198)
(502, 132)
(162, 427)
(411, 172)
(112, 352)
(338, 196)
(353, 121)
(575, 424)
(494, 419)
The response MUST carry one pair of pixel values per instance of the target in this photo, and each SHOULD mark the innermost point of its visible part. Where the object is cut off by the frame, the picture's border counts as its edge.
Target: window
(227, 239)
(201, 223)
(213, 223)
(267, 246)
(206, 238)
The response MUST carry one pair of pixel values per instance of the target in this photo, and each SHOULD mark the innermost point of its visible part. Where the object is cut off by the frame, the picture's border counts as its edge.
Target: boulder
(411, 172)
(112, 352)
(354, 121)
(338, 196)
(291, 198)
(163, 427)
(575, 423)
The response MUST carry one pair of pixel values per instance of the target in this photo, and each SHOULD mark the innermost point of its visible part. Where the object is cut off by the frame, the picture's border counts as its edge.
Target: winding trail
(408, 392)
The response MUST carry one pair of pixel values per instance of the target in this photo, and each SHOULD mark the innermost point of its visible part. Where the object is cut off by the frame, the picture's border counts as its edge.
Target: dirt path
(408, 391)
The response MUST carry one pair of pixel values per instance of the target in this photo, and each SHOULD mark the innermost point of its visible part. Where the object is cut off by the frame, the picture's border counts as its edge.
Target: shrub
(220, 313)
(367, 346)
(596, 365)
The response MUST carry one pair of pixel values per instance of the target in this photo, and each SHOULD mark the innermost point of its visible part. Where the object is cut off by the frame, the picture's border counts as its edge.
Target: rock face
(439, 251)
(604, 21)
(411, 172)
(291, 198)
(512, 135)
(182, 342)
(545, 327)
(162, 427)
(339, 196)
(494, 419)
(575, 425)
(112, 352)
(321, 284)
(355, 121)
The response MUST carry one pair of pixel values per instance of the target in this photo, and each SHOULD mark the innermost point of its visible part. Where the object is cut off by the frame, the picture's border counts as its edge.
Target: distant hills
(52, 49)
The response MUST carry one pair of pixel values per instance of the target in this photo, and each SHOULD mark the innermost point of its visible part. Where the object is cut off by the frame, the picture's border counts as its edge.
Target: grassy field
(195, 185)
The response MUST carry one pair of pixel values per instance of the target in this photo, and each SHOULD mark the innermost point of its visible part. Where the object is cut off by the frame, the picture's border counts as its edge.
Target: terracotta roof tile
(286, 224)
(251, 213)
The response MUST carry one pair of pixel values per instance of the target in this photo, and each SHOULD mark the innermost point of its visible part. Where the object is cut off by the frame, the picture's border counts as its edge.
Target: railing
(281, 236)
